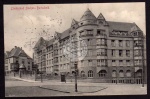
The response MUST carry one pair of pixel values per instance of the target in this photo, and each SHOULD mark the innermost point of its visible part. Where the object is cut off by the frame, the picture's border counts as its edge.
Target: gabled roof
(74, 22)
(7, 54)
(122, 26)
(135, 28)
(101, 17)
(40, 42)
(88, 15)
(16, 52)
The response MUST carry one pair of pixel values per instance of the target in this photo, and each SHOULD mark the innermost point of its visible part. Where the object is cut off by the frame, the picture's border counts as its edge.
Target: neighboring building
(17, 57)
(115, 51)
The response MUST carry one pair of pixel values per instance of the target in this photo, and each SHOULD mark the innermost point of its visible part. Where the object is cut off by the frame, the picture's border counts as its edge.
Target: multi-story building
(116, 51)
(15, 58)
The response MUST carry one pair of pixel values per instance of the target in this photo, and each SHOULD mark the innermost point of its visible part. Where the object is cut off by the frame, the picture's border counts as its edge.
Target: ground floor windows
(114, 73)
(90, 73)
(121, 73)
(82, 74)
(102, 73)
(128, 73)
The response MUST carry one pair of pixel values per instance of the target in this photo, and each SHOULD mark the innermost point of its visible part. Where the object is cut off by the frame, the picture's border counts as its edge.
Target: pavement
(71, 88)
(84, 88)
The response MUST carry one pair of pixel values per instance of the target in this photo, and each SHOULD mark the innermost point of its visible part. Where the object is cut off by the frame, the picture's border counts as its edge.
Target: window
(121, 73)
(120, 62)
(128, 62)
(89, 62)
(127, 43)
(22, 61)
(113, 62)
(137, 53)
(128, 53)
(101, 32)
(103, 42)
(82, 63)
(102, 73)
(120, 53)
(114, 73)
(60, 58)
(138, 62)
(120, 43)
(98, 41)
(90, 53)
(82, 74)
(128, 73)
(99, 62)
(89, 41)
(90, 32)
(113, 53)
(113, 43)
(90, 73)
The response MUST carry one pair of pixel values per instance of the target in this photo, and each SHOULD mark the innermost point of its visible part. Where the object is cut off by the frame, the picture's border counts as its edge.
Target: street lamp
(142, 60)
(76, 71)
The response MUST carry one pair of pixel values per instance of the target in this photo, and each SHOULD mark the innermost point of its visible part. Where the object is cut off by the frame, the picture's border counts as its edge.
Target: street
(17, 88)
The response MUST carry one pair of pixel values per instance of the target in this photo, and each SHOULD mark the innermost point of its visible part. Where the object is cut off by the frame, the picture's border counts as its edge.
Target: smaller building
(16, 57)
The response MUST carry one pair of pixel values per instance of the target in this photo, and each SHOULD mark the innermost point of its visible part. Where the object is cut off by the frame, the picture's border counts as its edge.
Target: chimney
(21, 47)
(15, 46)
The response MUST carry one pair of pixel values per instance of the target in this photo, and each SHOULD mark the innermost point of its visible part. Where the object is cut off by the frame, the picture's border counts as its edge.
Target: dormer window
(100, 22)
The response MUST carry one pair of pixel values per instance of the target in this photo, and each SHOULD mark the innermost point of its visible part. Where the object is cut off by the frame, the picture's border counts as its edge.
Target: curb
(53, 89)
(72, 92)
(25, 80)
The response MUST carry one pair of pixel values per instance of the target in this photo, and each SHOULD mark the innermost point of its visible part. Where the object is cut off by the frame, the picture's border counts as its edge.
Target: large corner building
(116, 51)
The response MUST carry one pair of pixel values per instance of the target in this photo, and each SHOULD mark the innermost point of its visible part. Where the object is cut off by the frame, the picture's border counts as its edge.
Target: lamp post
(41, 74)
(142, 47)
(76, 70)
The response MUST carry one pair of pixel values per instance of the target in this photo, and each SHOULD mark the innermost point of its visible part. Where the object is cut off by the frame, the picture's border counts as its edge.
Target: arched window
(102, 73)
(82, 74)
(90, 73)
(128, 73)
(121, 73)
(114, 73)
(138, 73)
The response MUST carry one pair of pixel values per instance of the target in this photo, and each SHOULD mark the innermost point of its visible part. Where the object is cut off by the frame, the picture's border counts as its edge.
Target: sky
(23, 27)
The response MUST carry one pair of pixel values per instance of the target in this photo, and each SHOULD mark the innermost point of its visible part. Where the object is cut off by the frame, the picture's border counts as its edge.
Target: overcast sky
(23, 26)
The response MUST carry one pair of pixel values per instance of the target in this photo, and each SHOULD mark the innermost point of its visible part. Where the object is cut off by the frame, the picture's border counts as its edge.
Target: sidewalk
(27, 80)
(71, 88)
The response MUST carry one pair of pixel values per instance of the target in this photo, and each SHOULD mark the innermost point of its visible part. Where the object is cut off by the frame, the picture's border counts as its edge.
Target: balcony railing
(86, 35)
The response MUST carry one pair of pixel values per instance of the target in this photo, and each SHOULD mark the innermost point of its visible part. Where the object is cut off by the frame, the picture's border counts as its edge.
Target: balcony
(101, 44)
(86, 35)
(138, 44)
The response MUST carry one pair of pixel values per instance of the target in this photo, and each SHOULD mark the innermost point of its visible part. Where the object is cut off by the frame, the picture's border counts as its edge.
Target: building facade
(116, 51)
(15, 58)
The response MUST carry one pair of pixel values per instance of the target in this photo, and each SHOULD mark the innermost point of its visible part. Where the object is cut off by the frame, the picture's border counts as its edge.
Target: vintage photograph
(84, 49)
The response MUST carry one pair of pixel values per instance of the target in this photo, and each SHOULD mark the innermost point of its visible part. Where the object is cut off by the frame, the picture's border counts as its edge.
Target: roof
(41, 41)
(16, 52)
(74, 22)
(101, 17)
(65, 33)
(88, 15)
(50, 42)
(122, 26)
